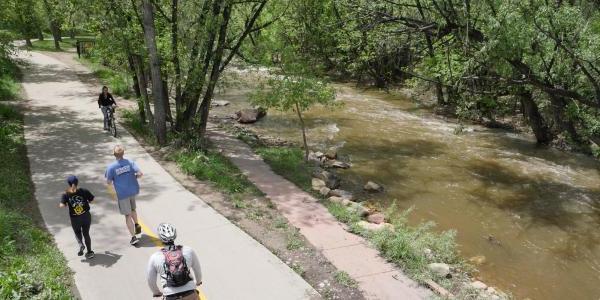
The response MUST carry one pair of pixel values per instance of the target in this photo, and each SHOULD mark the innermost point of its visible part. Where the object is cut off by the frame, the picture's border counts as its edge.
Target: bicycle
(112, 123)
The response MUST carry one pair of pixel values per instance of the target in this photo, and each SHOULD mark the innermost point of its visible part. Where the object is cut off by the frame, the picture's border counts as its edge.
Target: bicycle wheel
(113, 127)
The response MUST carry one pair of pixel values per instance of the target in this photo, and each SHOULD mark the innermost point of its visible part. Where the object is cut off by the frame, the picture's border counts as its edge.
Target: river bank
(429, 257)
(535, 203)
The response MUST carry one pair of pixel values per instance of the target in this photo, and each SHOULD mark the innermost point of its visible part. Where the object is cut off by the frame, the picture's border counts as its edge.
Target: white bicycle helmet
(166, 232)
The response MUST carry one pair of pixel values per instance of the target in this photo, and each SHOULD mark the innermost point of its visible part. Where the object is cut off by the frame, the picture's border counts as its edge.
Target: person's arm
(88, 195)
(63, 201)
(151, 277)
(108, 174)
(100, 101)
(137, 170)
(196, 268)
(110, 96)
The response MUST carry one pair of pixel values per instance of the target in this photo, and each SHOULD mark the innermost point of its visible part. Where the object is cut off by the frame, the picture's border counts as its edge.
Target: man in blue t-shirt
(123, 175)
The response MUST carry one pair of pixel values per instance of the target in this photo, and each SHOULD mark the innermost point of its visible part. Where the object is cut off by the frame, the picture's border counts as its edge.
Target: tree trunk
(160, 128)
(562, 121)
(176, 65)
(28, 42)
(303, 132)
(72, 31)
(40, 35)
(197, 75)
(167, 104)
(534, 118)
(215, 72)
(139, 70)
(136, 88)
(53, 25)
(438, 85)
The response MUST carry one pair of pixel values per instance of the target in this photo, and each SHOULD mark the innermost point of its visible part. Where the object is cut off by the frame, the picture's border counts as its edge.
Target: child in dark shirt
(78, 201)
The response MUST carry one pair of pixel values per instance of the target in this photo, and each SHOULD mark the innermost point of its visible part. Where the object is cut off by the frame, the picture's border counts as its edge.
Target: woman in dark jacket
(105, 102)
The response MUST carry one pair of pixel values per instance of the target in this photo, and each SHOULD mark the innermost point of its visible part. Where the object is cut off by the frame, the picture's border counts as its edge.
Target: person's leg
(125, 209)
(105, 114)
(129, 223)
(85, 228)
(75, 224)
(134, 217)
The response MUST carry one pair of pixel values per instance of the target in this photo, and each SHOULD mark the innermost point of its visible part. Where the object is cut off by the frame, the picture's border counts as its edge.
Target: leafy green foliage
(291, 93)
(31, 265)
(118, 82)
(9, 87)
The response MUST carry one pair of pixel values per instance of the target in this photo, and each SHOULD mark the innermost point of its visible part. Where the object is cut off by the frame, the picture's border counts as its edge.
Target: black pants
(81, 227)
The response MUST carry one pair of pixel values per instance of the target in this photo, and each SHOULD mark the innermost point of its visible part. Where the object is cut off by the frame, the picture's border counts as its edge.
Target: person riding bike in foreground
(172, 263)
(105, 103)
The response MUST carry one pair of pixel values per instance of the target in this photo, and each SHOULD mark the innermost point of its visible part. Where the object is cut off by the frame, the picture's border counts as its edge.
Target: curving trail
(63, 130)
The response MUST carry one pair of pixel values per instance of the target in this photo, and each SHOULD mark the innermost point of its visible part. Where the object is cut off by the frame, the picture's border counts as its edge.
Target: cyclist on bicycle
(172, 265)
(105, 103)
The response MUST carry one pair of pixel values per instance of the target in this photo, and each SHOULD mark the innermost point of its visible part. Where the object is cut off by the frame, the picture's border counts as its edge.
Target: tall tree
(160, 127)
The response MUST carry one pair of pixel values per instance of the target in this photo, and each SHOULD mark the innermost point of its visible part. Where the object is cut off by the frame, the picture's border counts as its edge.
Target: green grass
(289, 163)
(118, 82)
(213, 167)
(9, 85)
(204, 165)
(294, 240)
(48, 44)
(31, 266)
(344, 279)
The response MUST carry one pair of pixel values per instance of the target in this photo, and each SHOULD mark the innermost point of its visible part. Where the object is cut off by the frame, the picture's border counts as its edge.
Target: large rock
(359, 209)
(478, 285)
(317, 184)
(250, 115)
(324, 191)
(341, 193)
(336, 164)
(331, 181)
(331, 153)
(374, 227)
(439, 269)
(376, 218)
(373, 187)
(336, 199)
(218, 103)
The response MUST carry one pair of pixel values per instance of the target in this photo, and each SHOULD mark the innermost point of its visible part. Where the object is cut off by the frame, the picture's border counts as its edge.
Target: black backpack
(177, 272)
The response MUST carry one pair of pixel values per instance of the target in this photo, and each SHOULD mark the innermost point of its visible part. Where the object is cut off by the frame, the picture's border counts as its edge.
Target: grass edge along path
(31, 267)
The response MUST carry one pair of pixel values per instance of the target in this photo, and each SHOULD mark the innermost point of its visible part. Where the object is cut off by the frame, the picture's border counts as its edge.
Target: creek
(532, 212)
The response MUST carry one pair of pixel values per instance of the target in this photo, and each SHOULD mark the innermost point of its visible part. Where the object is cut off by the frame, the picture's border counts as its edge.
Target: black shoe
(138, 228)
(134, 240)
(89, 254)
(81, 248)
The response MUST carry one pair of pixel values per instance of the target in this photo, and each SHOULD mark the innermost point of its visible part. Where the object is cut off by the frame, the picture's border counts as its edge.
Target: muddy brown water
(540, 205)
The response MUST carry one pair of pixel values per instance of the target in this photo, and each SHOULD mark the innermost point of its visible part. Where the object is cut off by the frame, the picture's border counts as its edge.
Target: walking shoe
(89, 254)
(138, 228)
(81, 248)
(134, 240)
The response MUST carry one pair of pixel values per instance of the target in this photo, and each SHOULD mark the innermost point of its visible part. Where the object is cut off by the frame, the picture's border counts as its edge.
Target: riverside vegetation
(31, 267)
(484, 61)
(412, 248)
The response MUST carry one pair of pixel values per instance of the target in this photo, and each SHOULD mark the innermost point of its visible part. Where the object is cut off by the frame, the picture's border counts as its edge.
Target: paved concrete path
(63, 129)
(346, 251)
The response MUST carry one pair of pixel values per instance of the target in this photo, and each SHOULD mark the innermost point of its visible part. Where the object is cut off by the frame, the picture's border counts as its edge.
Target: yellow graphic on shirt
(77, 203)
